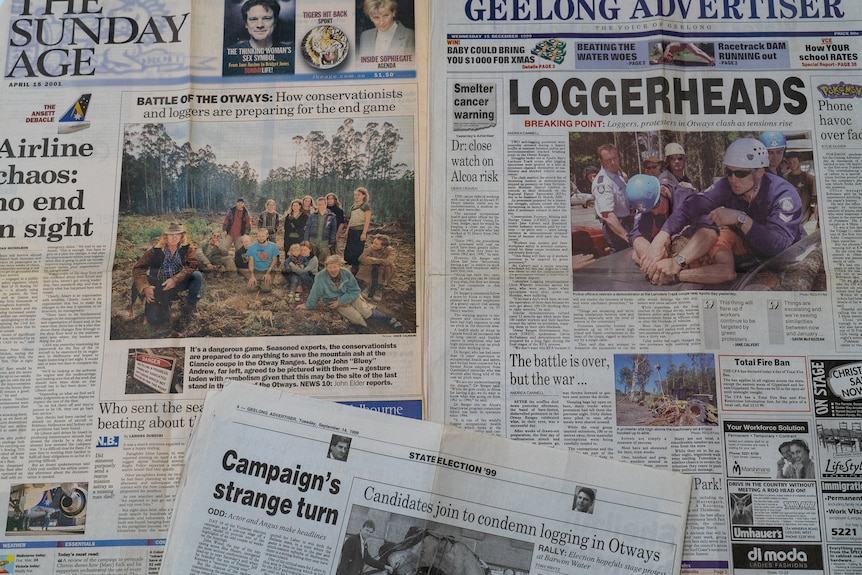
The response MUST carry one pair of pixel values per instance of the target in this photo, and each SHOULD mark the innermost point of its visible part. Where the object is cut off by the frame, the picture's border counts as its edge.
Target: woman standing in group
(294, 224)
(269, 220)
(334, 206)
(357, 227)
(307, 205)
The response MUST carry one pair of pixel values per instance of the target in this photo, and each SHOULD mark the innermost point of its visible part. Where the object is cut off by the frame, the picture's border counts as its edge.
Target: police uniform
(775, 213)
(609, 191)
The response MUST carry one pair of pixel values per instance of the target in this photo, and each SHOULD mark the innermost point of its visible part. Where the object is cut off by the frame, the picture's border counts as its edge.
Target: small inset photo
(47, 509)
(386, 33)
(325, 47)
(585, 499)
(682, 54)
(155, 370)
(741, 509)
(339, 447)
(664, 389)
(258, 37)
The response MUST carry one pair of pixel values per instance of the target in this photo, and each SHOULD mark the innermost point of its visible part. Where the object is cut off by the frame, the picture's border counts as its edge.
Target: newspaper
(275, 482)
(126, 123)
(555, 122)
(122, 118)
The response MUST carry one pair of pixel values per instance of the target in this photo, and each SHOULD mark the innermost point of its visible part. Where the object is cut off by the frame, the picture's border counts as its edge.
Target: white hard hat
(746, 153)
(673, 149)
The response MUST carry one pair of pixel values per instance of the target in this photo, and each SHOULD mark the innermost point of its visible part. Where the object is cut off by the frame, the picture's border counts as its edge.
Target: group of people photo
(314, 255)
(745, 201)
(306, 230)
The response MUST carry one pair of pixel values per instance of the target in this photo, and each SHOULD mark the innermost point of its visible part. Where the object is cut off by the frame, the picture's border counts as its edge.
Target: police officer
(761, 213)
(612, 207)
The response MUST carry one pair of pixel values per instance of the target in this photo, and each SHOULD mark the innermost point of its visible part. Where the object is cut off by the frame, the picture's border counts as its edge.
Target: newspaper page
(643, 248)
(276, 482)
(144, 147)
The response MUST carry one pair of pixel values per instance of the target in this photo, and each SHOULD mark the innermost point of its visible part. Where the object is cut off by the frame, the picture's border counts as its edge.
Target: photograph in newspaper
(258, 37)
(748, 226)
(210, 247)
(47, 509)
(385, 29)
(155, 370)
(666, 389)
(682, 53)
(413, 544)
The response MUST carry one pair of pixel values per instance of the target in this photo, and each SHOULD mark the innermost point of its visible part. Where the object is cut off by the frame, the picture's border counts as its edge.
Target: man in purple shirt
(759, 215)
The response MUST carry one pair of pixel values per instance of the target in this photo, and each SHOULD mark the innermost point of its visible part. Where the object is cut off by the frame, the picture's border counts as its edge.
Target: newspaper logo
(750, 532)
(842, 468)
(73, 120)
(108, 441)
(82, 29)
(762, 556)
(840, 90)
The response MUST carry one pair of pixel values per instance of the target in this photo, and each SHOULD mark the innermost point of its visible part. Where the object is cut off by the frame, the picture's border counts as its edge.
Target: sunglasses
(678, 158)
(738, 174)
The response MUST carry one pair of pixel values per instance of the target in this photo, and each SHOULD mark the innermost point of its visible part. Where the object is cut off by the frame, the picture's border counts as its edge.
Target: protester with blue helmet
(643, 192)
(653, 203)
(775, 143)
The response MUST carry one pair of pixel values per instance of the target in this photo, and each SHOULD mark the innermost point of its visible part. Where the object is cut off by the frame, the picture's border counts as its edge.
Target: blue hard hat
(773, 140)
(643, 192)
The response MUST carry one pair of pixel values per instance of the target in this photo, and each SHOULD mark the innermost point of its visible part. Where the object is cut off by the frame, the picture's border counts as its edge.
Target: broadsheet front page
(738, 364)
(128, 125)
(275, 482)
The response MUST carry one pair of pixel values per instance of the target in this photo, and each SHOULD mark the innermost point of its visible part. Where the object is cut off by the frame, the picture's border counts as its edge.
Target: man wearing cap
(612, 207)
(760, 215)
(163, 271)
(652, 166)
(775, 143)
(805, 184)
(674, 176)
(236, 224)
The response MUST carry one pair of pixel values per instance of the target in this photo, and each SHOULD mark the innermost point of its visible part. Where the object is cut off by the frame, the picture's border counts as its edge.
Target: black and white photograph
(394, 543)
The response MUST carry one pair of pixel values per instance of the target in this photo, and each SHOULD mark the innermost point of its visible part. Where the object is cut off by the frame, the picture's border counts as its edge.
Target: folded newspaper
(276, 482)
